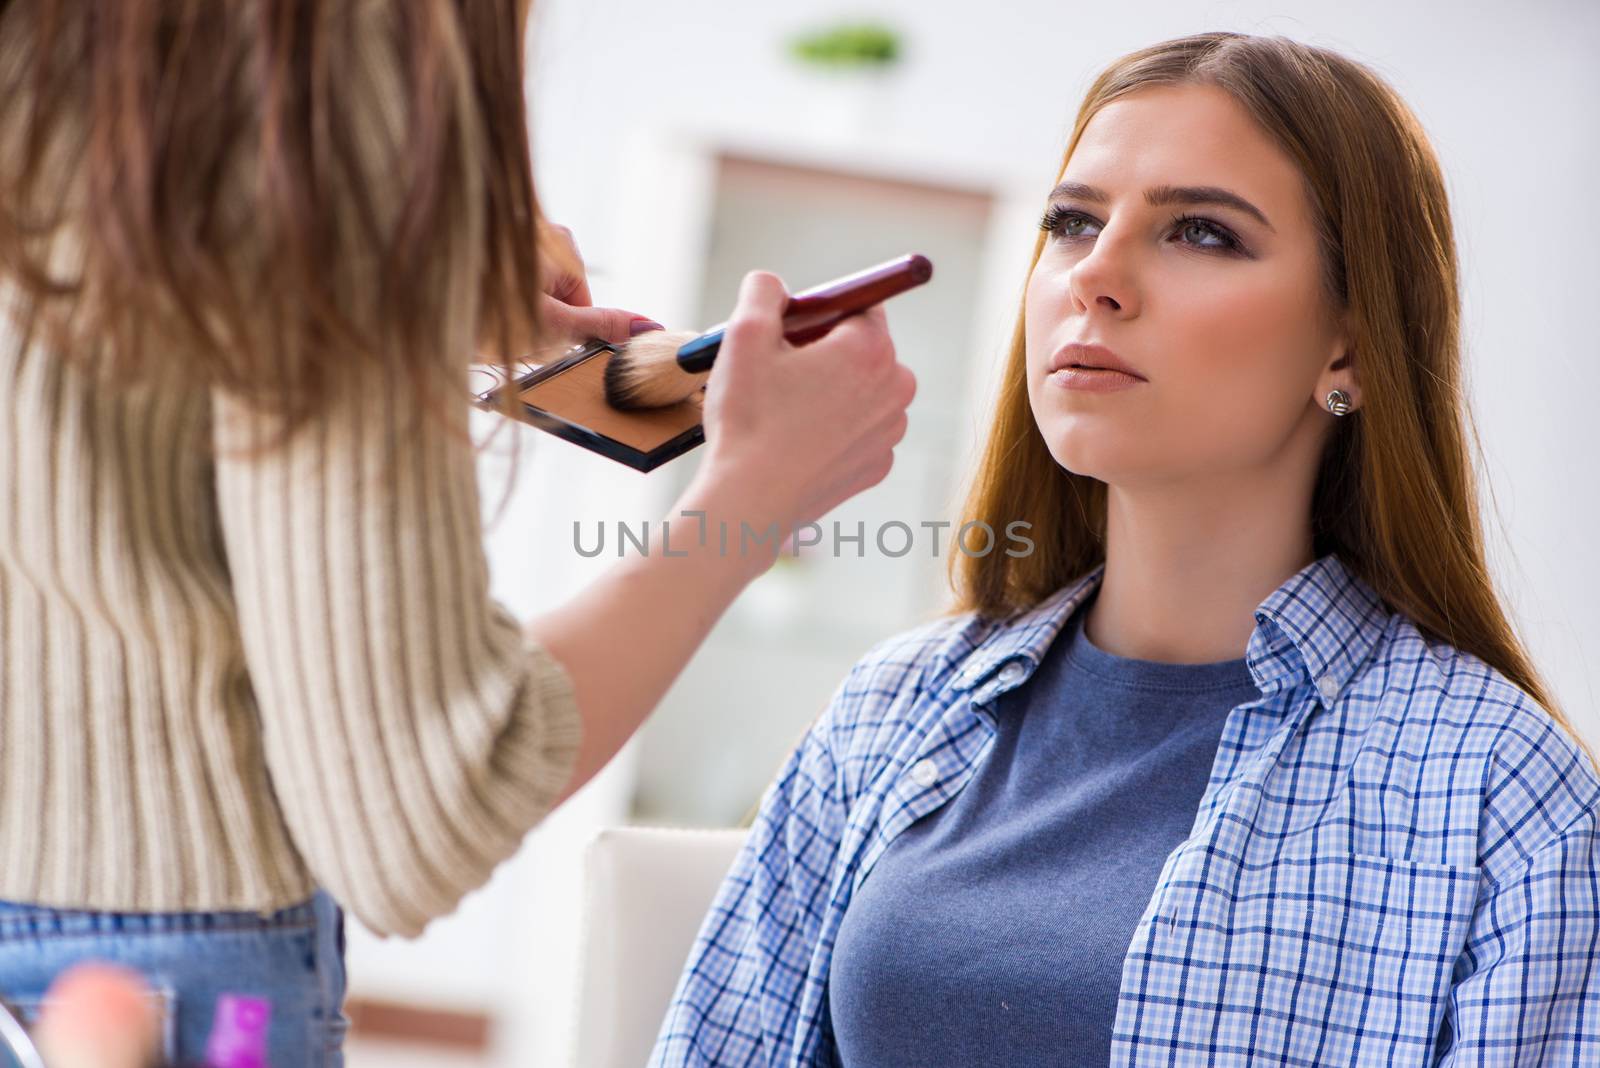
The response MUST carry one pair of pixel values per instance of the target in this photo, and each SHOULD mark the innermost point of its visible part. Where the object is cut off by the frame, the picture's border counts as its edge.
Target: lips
(1084, 354)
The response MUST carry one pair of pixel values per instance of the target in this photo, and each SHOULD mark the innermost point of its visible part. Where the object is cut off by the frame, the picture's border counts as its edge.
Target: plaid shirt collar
(1336, 623)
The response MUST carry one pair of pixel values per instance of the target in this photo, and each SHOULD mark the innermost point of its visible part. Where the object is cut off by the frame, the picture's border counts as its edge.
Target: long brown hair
(1396, 496)
(265, 193)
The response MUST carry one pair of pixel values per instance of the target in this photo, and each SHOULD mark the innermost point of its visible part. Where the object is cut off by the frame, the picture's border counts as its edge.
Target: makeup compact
(567, 398)
(647, 409)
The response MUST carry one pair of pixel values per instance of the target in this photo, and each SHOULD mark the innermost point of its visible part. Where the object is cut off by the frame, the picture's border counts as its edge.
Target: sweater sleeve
(413, 733)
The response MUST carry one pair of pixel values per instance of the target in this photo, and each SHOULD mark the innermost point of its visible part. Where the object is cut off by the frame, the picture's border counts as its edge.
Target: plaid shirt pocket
(1331, 958)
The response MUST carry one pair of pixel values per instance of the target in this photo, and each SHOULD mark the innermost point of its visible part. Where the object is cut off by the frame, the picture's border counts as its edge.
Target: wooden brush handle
(813, 312)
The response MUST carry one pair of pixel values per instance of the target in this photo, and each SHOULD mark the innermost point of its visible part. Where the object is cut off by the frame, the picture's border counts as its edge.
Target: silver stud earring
(1338, 402)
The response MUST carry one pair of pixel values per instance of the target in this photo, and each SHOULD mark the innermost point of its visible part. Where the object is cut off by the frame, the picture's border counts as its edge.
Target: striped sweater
(226, 681)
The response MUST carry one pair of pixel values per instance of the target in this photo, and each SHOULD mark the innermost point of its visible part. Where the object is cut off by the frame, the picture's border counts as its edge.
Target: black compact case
(567, 398)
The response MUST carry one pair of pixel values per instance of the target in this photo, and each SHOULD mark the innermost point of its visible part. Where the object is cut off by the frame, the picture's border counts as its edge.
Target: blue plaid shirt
(1395, 862)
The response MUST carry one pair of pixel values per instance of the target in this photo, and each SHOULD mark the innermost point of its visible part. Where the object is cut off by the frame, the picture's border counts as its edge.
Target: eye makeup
(1056, 217)
(567, 398)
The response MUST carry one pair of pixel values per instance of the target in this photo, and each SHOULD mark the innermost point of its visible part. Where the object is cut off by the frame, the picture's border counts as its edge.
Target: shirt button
(1329, 687)
(1011, 672)
(924, 773)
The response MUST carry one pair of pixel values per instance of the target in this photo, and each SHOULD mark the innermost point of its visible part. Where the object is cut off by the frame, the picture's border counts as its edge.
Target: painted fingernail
(643, 326)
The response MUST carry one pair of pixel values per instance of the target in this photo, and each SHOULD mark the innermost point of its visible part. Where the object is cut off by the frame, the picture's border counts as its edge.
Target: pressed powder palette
(567, 398)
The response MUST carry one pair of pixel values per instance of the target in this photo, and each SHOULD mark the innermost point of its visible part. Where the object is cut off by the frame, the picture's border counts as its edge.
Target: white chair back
(646, 893)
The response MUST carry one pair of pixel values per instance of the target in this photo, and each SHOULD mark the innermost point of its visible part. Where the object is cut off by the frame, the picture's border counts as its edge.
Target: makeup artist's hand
(795, 431)
(569, 313)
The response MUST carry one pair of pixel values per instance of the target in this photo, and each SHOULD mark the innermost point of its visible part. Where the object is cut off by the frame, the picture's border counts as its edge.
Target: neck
(1186, 567)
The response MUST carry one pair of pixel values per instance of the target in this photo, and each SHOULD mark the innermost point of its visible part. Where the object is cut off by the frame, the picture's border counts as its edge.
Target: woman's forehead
(1194, 135)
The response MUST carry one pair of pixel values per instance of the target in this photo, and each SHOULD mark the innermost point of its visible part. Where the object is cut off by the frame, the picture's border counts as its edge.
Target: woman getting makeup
(1244, 763)
(250, 670)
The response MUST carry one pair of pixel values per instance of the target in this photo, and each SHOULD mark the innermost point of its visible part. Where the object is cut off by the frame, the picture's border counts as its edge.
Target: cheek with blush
(1237, 412)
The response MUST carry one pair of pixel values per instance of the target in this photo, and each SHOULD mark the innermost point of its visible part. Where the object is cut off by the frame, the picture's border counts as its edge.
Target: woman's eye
(1061, 222)
(1201, 226)
(1068, 225)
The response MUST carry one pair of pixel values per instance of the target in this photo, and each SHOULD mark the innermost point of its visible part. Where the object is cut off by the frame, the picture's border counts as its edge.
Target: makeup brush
(662, 367)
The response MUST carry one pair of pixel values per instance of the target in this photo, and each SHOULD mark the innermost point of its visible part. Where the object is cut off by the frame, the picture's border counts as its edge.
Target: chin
(1083, 451)
(1079, 460)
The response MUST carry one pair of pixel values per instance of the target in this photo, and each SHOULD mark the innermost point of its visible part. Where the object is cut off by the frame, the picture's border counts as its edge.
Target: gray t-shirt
(993, 930)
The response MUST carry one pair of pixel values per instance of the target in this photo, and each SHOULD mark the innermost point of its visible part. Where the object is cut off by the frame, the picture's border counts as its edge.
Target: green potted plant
(851, 45)
(848, 67)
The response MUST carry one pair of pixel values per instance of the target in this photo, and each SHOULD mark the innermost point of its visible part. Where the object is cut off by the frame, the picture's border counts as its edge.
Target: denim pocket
(27, 1007)
(290, 958)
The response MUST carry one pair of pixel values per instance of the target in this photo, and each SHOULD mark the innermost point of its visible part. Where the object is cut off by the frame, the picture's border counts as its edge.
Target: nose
(1105, 278)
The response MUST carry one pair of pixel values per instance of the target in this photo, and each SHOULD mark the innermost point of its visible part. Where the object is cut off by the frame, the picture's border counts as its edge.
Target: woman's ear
(1341, 372)
(1342, 375)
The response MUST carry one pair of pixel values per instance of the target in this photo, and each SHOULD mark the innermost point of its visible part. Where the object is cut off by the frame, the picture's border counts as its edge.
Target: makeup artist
(250, 670)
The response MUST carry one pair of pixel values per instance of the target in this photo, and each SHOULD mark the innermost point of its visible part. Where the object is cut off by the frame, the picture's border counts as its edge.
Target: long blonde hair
(1396, 497)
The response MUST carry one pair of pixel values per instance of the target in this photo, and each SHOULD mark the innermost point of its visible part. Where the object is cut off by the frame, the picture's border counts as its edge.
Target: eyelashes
(1056, 218)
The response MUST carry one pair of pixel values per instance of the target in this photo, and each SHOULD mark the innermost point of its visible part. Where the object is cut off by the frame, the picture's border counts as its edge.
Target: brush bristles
(644, 373)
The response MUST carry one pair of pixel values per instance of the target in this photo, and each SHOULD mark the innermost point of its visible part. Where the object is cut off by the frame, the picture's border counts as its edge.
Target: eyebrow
(1158, 195)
